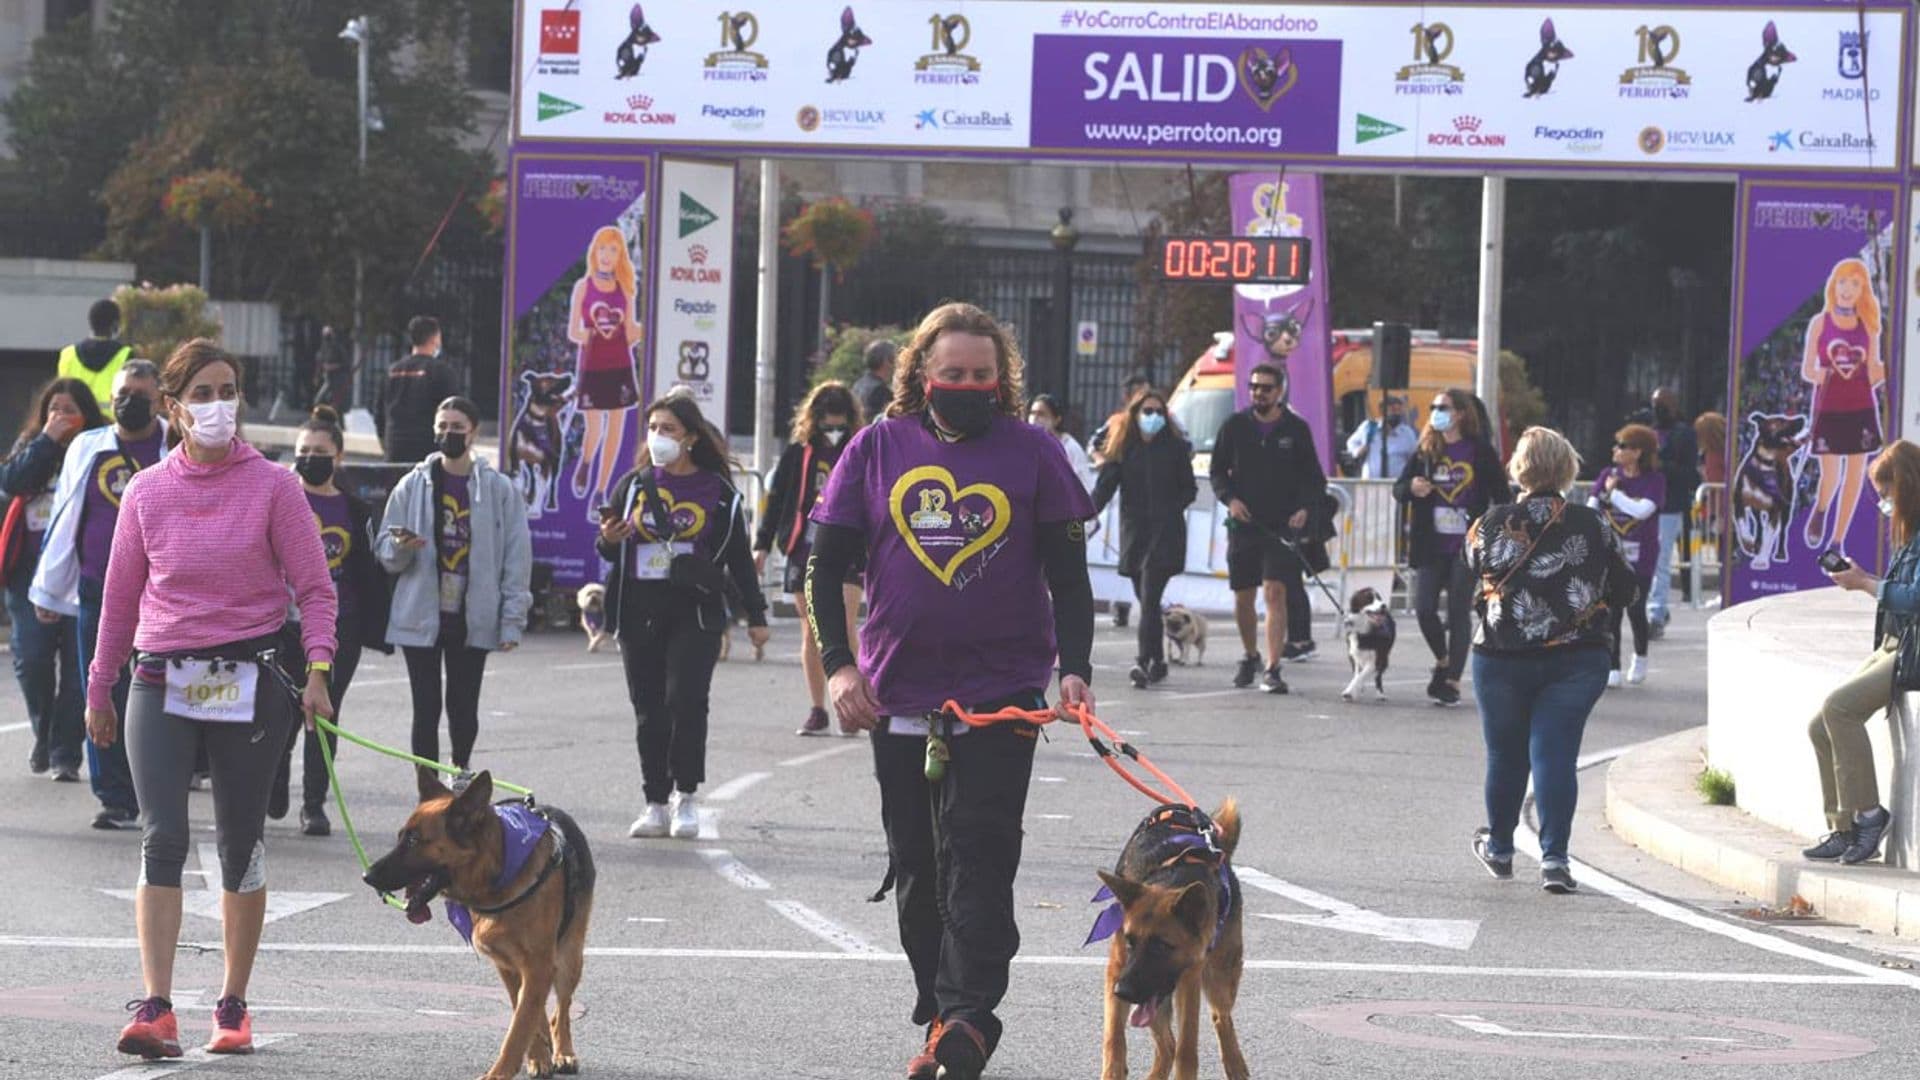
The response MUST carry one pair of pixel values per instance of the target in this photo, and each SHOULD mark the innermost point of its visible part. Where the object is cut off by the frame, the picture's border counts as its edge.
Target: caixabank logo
(948, 63)
(1430, 73)
(736, 60)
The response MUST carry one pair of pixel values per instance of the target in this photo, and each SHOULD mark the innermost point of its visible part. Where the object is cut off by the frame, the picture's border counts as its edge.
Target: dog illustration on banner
(1267, 77)
(1764, 74)
(1278, 326)
(537, 441)
(846, 51)
(1544, 67)
(632, 52)
(1766, 485)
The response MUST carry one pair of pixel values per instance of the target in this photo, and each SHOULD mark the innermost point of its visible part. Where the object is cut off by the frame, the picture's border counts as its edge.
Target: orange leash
(1110, 749)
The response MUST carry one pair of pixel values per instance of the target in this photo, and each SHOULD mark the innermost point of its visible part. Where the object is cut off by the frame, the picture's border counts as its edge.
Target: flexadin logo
(1368, 128)
(693, 216)
(550, 107)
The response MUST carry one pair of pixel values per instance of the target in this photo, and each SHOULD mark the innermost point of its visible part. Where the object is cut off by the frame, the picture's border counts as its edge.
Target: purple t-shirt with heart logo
(106, 480)
(957, 597)
(1455, 493)
(697, 506)
(1640, 539)
(336, 536)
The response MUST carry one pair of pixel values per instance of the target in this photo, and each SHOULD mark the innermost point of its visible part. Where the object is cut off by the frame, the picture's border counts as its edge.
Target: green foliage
(158, 320)
(1715, 786)
(846, 349)
(106, 123)
(832, 233)
(1522, 405)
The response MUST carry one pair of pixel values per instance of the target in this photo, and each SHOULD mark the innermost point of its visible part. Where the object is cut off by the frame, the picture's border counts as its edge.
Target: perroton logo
(1466, 132)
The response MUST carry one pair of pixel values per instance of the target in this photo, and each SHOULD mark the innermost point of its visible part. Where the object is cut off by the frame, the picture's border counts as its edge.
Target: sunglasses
(1152, 412)
(1437, 407)
(1264, 387)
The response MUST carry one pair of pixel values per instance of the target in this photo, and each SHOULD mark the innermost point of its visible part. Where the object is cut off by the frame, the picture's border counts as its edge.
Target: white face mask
(214, 422)
(834, 435)
(664, 449)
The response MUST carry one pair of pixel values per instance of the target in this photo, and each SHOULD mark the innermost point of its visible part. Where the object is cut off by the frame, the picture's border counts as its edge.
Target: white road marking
(192, 1059)
(822, 755)
(824, 928)
(1049, 779)
(597, 665)
(205, 902)
(1337, 914)
(732, 869)
(1765, 978)
(362, 683)
(8, 729)
(733, 788)
(1053, 817)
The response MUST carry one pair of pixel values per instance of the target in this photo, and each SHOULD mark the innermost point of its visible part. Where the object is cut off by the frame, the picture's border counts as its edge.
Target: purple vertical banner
(576, 286)
(1286, 324)
(1813, 381)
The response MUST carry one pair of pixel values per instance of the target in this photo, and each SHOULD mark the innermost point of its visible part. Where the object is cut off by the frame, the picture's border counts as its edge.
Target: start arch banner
(1716, 87)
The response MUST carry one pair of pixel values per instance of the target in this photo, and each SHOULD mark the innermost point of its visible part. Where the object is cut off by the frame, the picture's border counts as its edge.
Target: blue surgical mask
(1442, 419)
(1152, 424)
(1886, 508)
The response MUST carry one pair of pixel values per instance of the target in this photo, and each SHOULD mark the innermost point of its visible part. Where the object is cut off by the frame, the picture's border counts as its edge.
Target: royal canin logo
(697, 254)
(1466, 133)
(640, 103)
(1468, 124)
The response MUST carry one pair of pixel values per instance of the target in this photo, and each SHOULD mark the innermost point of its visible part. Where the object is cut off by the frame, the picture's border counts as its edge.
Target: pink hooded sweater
(202, 556)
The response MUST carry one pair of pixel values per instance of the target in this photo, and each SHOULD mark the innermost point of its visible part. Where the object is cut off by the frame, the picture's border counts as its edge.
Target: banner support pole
(1493, 230)
(766, 444)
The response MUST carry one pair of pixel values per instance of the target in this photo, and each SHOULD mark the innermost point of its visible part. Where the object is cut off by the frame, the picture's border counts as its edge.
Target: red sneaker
(924, 1066)
(232, 1027)
(154, 1032)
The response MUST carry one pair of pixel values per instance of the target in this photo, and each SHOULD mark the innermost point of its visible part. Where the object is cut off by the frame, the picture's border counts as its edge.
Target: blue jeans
(107, 769)
(1533, 710)
(1663, 569)
(43, 661)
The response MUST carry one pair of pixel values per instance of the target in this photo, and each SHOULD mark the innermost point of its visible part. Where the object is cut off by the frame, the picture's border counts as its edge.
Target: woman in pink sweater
(196, 592)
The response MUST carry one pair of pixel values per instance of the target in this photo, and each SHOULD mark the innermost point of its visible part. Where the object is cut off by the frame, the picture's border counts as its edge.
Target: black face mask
(1394, 420)
(967, 411)
(315, 469)
(453, 444)
(133, 411)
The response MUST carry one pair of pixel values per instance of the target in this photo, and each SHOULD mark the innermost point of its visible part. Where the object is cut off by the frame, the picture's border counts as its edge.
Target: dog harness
(1193, 834)
(522, 825)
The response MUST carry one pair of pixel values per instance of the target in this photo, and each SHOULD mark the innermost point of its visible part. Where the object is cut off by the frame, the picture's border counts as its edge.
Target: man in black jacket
(416, 385)
(1267, 473)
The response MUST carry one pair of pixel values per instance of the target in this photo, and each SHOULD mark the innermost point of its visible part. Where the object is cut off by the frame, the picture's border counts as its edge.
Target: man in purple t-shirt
(971, 524)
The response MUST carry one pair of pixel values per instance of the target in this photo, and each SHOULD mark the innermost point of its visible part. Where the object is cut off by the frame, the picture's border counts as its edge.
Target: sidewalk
(1651, 804)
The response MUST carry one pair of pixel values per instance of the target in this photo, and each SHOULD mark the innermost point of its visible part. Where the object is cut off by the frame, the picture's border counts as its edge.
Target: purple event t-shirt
(453, 542)
(336, 536)
(696, 505)
(1640, 539)
(1455, 491)
(106, 480)
(957, 597)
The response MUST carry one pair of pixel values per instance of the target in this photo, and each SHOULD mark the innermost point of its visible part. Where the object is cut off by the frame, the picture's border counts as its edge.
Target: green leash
(327, 725)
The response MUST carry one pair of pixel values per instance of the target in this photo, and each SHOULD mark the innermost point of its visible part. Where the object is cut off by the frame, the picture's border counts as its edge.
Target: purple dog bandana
(520, 829)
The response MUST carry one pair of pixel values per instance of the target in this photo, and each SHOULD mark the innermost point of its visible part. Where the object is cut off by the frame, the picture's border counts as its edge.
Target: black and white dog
(1370, 632)
(538, 440)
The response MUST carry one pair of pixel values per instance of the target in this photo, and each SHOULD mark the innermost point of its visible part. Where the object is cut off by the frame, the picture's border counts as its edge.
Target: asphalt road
(1377, 946)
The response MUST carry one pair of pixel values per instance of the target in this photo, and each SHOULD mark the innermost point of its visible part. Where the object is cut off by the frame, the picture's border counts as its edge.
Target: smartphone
(609, 513)
(1833, 562)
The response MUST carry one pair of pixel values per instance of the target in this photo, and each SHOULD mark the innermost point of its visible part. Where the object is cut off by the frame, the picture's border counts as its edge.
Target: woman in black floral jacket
(1550, 576)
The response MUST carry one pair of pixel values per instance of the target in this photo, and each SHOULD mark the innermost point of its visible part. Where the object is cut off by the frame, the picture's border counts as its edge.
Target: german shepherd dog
(1179, 938)
(1544, 67)
(1764, 487)
(846, 51)
(533, 928)
(1764, 74)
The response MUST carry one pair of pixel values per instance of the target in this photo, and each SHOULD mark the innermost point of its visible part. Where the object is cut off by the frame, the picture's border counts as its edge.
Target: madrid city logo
(1430, 73)
(735, 60)
(1853, 70)
(949, 63)
(846, 49)
(1764, 73)
(632, 53)
(1655, 75)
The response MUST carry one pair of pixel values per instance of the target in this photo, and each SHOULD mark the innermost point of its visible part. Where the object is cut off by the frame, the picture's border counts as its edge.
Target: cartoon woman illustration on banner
(602, 322)
(1843, 363)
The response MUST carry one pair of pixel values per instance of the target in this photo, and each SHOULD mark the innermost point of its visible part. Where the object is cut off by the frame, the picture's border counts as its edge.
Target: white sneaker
(1613, 679)
(650, 825)
(686, 818)
(1637, 671)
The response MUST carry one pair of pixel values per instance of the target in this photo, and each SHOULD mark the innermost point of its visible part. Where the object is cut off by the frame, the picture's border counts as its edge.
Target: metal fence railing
(1704, 552)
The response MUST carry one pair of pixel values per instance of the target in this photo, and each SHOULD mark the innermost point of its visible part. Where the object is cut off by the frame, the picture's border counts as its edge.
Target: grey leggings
(162, 749)
(1451, 639)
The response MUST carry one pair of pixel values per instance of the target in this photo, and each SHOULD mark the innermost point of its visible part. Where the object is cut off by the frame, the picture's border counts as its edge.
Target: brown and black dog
(1179, 938)
(532, 926)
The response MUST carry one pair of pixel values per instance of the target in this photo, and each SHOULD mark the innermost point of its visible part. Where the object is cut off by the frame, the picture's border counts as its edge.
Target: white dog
(592, 599)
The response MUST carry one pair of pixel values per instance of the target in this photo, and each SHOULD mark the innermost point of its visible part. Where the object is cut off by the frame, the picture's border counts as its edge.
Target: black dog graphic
(1764, 74)
(846, 52)
(1765, 485)
(1430, 42)
(633, 51)
(539, 440)
(734, 27)
(947, 26)
(1656, 46)
(1545, 65)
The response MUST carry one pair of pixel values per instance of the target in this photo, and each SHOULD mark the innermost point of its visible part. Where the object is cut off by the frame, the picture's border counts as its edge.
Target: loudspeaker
(1392, 356)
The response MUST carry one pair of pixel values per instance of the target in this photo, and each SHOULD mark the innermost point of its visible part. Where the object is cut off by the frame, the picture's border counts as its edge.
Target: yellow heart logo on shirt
(335, 540)
(112, 475)
(1462, 475)
(687, 518)
(937, 511)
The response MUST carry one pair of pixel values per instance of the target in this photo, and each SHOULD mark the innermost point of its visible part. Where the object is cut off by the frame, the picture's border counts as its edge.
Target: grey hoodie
(499, 564)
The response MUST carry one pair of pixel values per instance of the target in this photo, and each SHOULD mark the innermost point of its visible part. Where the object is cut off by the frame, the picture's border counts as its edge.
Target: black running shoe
(961, 1051)
(1248, 671)
(1120, 613)
(1157, 671)
(1441, 690)
(1868, 830)
(1273, 683)
(1500, 867)
(1138, 675)
(1831, 846)
(1557, 880)
(116, 817)
(1297, 651)
(313, 822)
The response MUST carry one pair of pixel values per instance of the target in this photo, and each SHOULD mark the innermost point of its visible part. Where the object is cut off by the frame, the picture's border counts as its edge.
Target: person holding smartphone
(455, 536)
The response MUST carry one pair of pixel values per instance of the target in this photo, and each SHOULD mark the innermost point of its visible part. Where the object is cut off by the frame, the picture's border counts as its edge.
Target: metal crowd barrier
(1705, 551)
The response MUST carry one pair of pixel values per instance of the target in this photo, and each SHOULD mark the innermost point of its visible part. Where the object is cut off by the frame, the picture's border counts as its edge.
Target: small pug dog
(1186, 629)
(592, 599)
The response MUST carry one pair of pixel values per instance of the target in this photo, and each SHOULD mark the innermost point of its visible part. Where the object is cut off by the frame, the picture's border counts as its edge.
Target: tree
(105, 123)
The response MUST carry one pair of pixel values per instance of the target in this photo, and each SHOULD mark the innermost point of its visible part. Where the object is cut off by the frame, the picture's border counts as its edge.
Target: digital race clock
(1236, 260)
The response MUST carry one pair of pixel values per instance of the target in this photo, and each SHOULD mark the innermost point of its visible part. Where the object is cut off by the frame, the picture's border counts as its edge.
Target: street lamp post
(359, 31)
(1064, 238)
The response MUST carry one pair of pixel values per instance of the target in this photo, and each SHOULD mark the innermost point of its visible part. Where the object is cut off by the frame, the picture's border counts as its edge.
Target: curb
(1651, 805)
